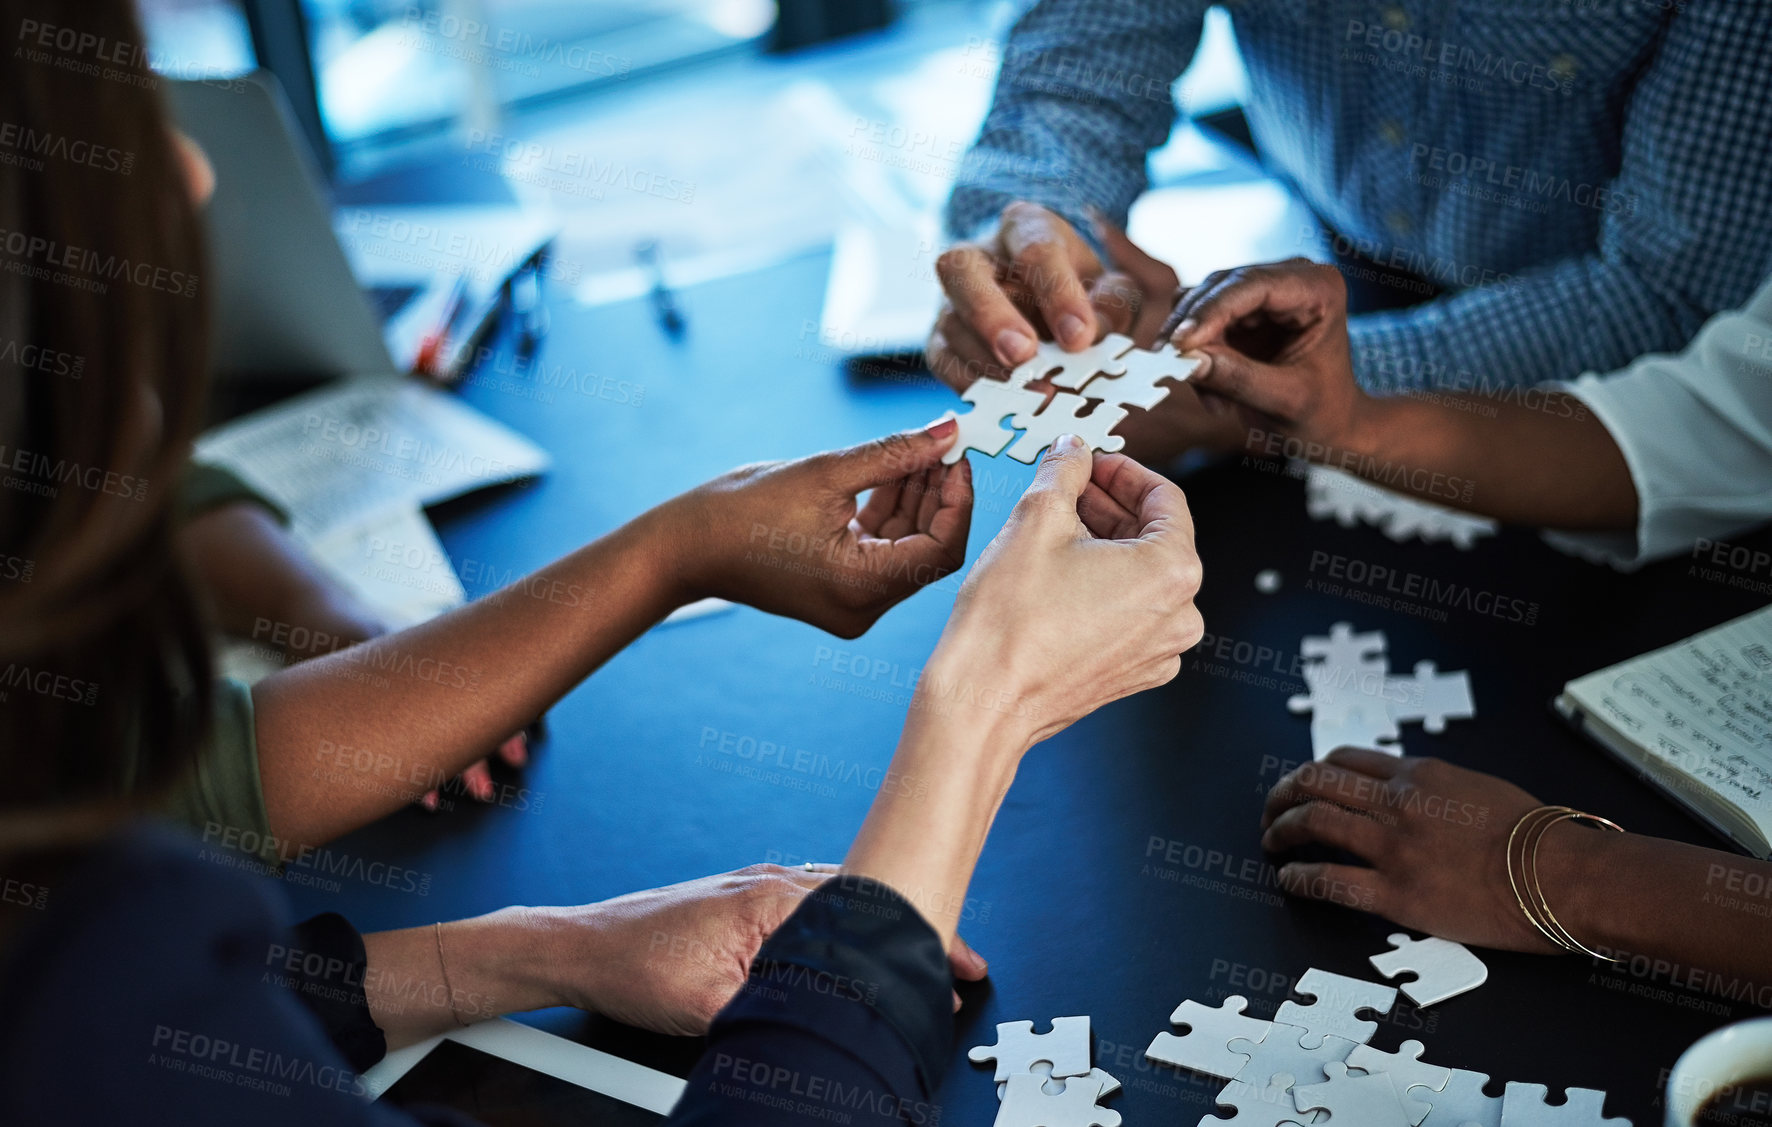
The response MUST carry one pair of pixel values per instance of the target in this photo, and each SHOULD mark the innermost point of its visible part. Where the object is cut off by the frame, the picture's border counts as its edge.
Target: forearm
(923, 835)
(1704, 913)
(1544, 460)
(251, 571)
(420, 982)
(349, 737)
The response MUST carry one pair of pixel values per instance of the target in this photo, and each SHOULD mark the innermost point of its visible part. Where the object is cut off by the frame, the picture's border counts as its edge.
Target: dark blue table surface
(1124, 873)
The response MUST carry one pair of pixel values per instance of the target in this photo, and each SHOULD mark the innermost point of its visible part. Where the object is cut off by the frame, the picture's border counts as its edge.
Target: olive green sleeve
(205, 487)
(223, 801)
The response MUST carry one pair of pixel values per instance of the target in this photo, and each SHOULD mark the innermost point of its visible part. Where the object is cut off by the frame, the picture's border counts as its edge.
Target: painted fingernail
(1185, 329)
(516, 750)
(942, 425)
(1071, 329)
(1013, 346)
(429, 802)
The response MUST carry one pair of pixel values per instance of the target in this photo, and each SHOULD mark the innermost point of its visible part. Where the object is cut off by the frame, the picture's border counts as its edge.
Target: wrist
(662, 541)
(1365, 427)
(993, 713)
(1577, 870)
(507, 961)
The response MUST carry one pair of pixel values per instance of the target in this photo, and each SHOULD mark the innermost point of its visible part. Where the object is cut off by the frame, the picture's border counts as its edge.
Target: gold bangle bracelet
(437, 930)
(1531, 917)
(1536, 887)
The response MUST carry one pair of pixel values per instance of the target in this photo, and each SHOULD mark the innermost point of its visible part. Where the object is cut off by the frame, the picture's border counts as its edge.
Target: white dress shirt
(1696, 430)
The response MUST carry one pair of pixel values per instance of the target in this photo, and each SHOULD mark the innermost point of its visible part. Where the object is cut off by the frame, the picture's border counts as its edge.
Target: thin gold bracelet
(437, 929)
(1531, 917)
(1536, 887)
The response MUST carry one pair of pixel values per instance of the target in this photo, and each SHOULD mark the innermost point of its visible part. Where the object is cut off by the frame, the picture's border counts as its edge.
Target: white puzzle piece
(1267, 1105)
(1462, 1101)
(981, 428)
(1522, 1105)
(1019, 1048)
(1282, 1057)
(1061, 416)
(1051, 1087)
(1026, 1103)
(1370, 1100)
(1443, 969)
(1342, 649)
(1072, 371)
(1354, 702)
(1432, 697)
(1205, 1047)
(1336, 1000)
(1141, 385)
(1417, 1083)
(1331, 493)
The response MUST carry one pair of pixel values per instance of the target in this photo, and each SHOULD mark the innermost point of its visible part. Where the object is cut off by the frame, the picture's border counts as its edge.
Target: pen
(664, 302)
(430, 352)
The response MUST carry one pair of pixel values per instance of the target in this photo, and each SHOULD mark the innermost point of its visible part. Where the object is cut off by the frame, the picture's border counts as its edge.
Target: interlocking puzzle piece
(1348, 708)
(1205, 1047)
(1463, 1103)
(1336, 999)
(1443, 969)
(1051, 1087)
(1282, 1057)
(1522, 1105)
(1141, 384)
(1350, 501)
(980, 428)
(1061, 416)
(1072, 371)
(1027, 1103)
(1368, 1101)
(1261, 1105)
(1019, 1048)
(1406, 1068)
(1342, 649)
(1431, 697)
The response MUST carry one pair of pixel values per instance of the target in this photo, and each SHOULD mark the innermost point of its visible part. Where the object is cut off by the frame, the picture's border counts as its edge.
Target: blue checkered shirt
(1589, 179)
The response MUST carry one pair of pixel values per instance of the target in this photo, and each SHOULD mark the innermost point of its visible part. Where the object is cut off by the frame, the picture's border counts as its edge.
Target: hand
(669, 959)
(1086, 596)
(1434, 834)
(1276, 343)
(1035, 278)
(787, 538)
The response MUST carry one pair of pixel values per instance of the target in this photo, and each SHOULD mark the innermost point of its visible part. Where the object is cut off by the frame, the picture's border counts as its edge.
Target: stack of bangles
(1522, 871)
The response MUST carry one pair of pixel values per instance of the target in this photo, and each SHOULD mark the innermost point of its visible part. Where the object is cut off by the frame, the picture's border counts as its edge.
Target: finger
(1158, 503)
(515, 751)
(1325, 823)
(1059, 484)
(1347, 885)
(1042, 261)
(477, 781)
(951, 524)
(954, 358)
(969, 965)
(1289, 290)
(1271, 390)
(1366, 761)
(889, 459)
(1333, 782)
(929, 496)
(1117, 301)
(968, 274)
(1104, 517)
(882, 504)
(1156, 279)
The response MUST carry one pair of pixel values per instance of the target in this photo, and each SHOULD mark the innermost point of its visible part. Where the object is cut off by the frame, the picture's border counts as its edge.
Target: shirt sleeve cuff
(326, 970)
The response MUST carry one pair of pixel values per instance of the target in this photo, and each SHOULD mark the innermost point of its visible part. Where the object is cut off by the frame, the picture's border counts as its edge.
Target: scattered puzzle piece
(1205, 1047)
(1351, 501)
(1019, 1048)
(1354, 1101)
(1026, 1103)
(1353, 701)
(1462, 1101)
(1433, 697)
(1283, 1053)
(1406, 1068)
(1265, 1105)
(1522, 1105)
(1335, 1001)
(1443, 969)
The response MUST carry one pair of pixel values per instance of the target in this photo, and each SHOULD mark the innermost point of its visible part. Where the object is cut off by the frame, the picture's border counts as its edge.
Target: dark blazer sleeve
(846, 1017)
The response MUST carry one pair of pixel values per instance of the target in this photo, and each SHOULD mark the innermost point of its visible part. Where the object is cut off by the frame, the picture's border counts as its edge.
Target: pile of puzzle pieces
(1355, 702)
(1313, 1060)
(1095, 391)
(1330, 493)
(1045, 1079)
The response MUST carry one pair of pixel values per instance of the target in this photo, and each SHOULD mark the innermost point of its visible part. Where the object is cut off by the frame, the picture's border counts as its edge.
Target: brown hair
(104, 671)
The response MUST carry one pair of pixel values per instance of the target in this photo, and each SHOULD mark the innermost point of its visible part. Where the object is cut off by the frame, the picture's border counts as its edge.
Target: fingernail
(1068, 442)
(429, 802)
(1184, 330)
(516, 750)
(946, 422)
(1013, 346)
(956, 1001)
(1070, 328)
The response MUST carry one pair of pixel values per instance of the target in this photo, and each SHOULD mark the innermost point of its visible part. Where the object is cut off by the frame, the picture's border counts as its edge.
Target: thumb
(1064, 475)
(1249, 383)
(1156, 278)
(888, 459)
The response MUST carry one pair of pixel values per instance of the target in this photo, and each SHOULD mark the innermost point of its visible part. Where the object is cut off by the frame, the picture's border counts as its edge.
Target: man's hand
(1434, 834)
(669, 959)
(789, 538)
(1276, 343)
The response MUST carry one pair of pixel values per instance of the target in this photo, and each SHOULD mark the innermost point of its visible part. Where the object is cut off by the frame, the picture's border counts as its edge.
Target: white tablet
(505, 1074)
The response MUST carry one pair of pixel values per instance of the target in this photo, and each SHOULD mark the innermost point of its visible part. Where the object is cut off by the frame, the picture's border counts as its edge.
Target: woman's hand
(669, 959)
(1434, 834)
(1086, 596)
(1276, 343)
(788, 537)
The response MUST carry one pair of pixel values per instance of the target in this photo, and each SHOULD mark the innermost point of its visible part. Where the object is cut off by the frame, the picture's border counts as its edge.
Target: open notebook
(1695, 718)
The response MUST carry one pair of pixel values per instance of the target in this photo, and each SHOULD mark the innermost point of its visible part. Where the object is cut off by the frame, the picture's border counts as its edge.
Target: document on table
(348, 453)
(1696, 719)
